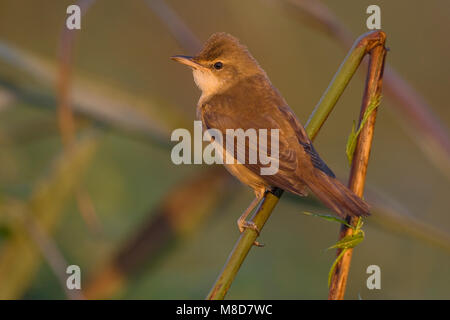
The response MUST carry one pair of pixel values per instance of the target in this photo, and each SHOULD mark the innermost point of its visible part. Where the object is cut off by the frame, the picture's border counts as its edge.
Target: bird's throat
(208, 83)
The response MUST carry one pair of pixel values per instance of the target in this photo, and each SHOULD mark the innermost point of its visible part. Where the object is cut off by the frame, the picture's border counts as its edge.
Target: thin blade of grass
(328, 217)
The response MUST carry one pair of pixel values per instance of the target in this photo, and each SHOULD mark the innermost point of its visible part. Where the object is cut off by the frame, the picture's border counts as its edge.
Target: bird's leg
(243, 223)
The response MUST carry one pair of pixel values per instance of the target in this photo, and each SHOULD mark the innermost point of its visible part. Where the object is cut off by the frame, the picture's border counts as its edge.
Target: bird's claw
(250, 225)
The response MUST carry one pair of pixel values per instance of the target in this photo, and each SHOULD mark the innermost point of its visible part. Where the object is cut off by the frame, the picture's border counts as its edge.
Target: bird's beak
(186, 60)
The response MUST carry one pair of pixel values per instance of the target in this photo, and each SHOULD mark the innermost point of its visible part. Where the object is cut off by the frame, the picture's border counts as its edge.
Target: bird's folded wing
(304, 141)
(222, 116)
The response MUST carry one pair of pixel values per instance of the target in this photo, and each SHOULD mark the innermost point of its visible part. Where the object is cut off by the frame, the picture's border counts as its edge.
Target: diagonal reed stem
(360, 158)
(362, 46)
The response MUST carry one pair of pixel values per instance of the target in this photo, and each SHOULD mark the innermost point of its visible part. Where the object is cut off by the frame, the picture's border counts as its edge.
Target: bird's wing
(303, 139)
(241, 109)
(258, 105)
(285, 178)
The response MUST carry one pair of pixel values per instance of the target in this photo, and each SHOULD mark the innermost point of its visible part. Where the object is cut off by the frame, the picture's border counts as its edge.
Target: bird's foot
(242, 224)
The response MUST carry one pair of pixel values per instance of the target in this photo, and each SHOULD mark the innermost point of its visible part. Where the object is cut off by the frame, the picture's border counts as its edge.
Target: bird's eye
(218, 65)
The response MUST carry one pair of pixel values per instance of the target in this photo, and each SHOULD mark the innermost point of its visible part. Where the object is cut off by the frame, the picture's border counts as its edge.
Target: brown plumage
(240, 95)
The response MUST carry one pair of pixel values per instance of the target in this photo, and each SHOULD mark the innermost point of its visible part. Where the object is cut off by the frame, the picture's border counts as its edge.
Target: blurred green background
(122, 54)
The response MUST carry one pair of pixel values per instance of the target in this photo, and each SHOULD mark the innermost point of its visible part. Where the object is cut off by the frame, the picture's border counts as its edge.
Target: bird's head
(221, 63)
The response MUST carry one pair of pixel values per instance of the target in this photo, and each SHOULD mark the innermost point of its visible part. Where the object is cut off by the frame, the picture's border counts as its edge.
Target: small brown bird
(236, 93)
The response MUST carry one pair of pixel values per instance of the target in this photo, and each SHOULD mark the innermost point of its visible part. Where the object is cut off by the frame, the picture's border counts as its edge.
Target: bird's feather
(236, 109)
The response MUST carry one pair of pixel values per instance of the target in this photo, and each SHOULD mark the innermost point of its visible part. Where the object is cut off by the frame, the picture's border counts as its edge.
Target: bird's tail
(338, 197)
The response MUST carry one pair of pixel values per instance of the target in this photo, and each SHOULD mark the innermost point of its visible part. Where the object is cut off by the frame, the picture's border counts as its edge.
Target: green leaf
(328, 217)
(353, 137)
(351, 143)
(359, 224)
(349, 241)
(345, 243)
(333, 267)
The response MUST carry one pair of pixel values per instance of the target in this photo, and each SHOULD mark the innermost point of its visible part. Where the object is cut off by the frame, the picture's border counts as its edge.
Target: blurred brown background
(128, 96)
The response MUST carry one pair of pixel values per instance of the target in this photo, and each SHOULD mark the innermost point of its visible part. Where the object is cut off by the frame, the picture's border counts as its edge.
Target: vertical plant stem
(428, 131)
(360, 159)
(66, 119)
(321, 112)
